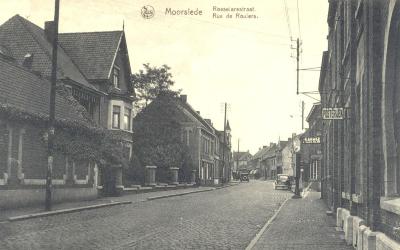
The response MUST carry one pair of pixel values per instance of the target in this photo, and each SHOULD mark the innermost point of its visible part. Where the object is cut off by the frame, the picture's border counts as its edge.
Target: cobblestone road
(222, 219)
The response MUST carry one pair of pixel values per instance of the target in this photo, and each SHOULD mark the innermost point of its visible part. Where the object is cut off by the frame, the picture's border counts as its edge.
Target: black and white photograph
(188, 124)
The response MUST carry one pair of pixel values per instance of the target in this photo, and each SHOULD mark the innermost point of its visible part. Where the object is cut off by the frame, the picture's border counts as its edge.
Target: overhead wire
(298, 19)
(288, 19)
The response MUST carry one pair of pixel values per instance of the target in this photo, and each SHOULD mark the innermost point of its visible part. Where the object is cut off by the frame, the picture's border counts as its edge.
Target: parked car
(282, 181)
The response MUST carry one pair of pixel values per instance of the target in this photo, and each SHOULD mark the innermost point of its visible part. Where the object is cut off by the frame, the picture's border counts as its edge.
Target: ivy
(79, 139)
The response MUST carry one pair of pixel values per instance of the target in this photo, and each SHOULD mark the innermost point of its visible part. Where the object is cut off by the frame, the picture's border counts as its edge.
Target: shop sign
(312, 140)
(333, 113)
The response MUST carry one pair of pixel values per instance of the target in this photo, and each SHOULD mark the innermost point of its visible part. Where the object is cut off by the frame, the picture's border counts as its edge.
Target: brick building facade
(359, 73)
(24, 108)
(209, 149)
(311, 153)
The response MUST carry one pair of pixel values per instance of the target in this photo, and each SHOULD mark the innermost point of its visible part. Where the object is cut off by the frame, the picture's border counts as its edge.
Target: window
(127, 119)
(115, 116)
(126, 152)
(187, 137)
(116, 81)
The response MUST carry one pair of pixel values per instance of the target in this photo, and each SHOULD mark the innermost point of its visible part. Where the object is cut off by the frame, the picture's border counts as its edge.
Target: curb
(190, 192)
(65, 211)
(254, 241)
(226, 186)
(181, 194)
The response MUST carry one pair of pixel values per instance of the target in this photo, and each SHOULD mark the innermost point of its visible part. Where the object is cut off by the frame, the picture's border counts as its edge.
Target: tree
(150, 82)
(157, 136)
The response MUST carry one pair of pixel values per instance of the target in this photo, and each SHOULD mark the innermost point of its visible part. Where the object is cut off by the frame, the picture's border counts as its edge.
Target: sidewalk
(68, 207)
(302, 224)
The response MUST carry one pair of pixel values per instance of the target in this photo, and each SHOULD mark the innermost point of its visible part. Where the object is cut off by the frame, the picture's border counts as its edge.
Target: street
(227, 218)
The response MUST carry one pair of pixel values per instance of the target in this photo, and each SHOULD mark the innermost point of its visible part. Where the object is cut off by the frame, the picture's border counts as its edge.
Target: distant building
(280, 157)
(209, 148)
(269, 162)
(256, 164)
(241, 160)
(311, 145)
(286, 164)
(224, 154)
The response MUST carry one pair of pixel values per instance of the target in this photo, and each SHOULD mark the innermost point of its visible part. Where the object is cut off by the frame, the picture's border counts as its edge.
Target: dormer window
(116, 80)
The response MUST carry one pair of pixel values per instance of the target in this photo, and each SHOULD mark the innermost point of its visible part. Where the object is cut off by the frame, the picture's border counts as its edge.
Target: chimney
(198, 112)
(264, 146)
(184, 98)
(49, 30)
(208, 121)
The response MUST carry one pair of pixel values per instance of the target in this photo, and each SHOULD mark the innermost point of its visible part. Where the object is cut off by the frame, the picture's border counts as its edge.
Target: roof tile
(17, 84)
(92, 52)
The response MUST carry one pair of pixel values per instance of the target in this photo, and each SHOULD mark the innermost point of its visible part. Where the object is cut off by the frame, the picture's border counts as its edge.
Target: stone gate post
(150, 179)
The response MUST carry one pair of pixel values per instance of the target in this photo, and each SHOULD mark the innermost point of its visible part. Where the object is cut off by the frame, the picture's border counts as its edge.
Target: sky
(244, 62)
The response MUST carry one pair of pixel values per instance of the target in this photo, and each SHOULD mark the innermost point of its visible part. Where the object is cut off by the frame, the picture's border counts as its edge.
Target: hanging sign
(311, 140)
(333, 113)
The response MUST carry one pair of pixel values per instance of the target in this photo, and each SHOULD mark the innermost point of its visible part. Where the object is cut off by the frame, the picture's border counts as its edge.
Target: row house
(361, 157)
(224, 154)
(209, 149)
(279, 157)
(274, 159)
(311, 154)
(212, 159)
(285, 158)
(257, 164)
(93, 66)
(269, 162)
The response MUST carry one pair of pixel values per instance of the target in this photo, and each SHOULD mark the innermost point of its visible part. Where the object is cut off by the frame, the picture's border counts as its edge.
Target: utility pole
(297, 60)
(223, 149)
(302, 115)
(237, 157)
(298, 173)
(50, 142)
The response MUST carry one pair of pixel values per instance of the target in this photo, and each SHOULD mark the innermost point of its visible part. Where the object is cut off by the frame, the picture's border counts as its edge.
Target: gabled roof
(196, 115)
(315, 112)
(271, 151)
(92, 52)
(282, 144)
(186, 115)
(21, 37)
(261, 153)
(241, 155)
(25, 91)
(81, 56)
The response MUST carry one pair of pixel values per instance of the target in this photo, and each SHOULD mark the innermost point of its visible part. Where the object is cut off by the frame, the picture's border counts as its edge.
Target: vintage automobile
(282, 181)
(244, 176)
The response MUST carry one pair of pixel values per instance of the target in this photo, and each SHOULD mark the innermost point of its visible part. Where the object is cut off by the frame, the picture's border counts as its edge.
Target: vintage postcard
(184, 124)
